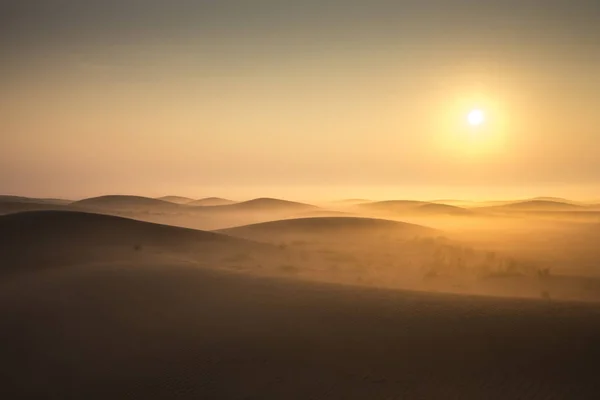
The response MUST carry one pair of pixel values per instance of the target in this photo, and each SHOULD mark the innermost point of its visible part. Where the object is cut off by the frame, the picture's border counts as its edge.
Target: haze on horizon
(312, 99)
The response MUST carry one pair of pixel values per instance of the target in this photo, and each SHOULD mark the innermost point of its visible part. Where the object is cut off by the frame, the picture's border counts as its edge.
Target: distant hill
(126, 203)
(20, 199)
(211, 201)
(352, 201)
(322, 213)
(441, 209)
(176, 199)
(266, 204)
(554, 199)
(10, 207)
(171, 332)
(330, 227)
(450, 201)
(536, 205)
(392, 205)
(42, 239)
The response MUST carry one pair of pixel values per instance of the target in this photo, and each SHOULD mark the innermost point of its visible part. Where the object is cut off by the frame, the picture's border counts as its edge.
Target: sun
(476, 117)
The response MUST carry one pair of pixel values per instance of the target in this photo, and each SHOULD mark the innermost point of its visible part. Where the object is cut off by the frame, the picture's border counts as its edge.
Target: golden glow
(472, 125)
(476, 117)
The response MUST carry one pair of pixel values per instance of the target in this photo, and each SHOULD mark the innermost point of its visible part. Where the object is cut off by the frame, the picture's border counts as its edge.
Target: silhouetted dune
(20, 199)
(52, 238)
(212, 201)
(414, 207)
(536, 205)
(164, 332)
(352, 201)
(554, 199)
(126, 203)
(334, 227)
(392, 204)
(266, 204)
(451, 202)
(9, 207)
(322, 213)
(176, 199)
(441, 209)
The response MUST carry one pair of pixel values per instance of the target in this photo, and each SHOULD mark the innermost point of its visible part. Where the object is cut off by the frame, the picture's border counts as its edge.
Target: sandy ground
(165, 332)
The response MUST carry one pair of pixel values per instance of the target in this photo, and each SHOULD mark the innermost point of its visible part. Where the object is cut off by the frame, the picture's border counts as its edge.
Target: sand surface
(163, 332)
(101, 307)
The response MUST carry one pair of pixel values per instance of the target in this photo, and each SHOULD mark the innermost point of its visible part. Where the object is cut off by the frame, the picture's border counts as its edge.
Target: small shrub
(545, 295)
(289, 268)
(239, 257)
(543, 272)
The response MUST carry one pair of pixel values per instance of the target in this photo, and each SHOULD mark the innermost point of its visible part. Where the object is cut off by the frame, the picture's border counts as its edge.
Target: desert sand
(99, 306)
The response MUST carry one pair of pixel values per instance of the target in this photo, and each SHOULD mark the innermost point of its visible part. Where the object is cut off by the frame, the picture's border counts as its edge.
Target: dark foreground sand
(168, 332)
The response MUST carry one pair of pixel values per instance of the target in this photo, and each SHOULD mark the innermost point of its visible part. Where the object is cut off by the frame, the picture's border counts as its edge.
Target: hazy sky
(300, 99)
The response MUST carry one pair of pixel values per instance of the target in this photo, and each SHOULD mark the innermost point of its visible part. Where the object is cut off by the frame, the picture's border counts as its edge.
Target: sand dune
(95, 306)
(211, 201)
(20, 199)
(352, 201)
(536, 205)
(414, 207)
(164, 332)
(441, 209)
(312, 228)
(126, 203)
(323, 213)
(266, 204)
(176, 199)
(53, 238)
(392, 205)
(453, 202)
(9, 207)
(555, 199)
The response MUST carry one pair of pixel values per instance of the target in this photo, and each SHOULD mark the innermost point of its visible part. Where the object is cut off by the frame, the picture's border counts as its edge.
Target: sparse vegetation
(288, 268)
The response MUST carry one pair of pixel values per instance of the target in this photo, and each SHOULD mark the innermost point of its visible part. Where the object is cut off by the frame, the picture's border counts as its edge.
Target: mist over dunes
(21, 199)
(45, 239)
(538, 205)
(176, 199)
(226, 311)
(414, 207)
(211, 201)
(198, 333)
(300, 200)
(308, 228)
(266, 203)
(351, 201)
(125, 203)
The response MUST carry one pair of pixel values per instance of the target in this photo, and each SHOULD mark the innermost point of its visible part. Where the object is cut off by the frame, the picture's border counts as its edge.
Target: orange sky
(321, 100)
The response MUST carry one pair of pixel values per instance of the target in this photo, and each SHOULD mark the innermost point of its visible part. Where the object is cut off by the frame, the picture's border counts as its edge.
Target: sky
(300, 99)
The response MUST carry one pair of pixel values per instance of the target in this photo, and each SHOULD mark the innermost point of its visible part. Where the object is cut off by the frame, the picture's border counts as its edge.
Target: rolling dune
(163, 332)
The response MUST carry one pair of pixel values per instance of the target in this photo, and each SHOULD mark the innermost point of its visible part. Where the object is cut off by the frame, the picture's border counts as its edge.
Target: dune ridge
(41, 239)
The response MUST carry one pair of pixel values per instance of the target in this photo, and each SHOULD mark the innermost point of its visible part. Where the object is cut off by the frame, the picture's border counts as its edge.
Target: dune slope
(42, 239)
(135, 331)
(126, 203)
(211, 201)
(537, 205)
(176, 199)
(266, 204)
(21, 199)
(329, 226)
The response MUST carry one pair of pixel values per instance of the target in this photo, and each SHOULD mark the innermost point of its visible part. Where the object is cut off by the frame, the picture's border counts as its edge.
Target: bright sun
(476, 117)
